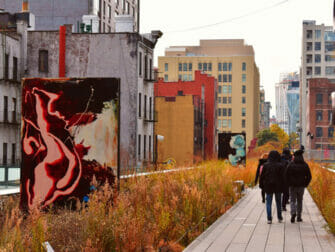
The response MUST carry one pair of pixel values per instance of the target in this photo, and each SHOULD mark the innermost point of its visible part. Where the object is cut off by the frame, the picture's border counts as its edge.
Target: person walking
(298, 176)
(261, 163)
(286, 158)
(271, 181)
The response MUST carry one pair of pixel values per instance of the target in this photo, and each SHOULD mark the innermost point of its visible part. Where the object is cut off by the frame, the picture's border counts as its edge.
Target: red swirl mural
(60, 119)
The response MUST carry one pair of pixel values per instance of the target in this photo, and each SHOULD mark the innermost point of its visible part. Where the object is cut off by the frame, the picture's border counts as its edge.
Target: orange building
(180, 123)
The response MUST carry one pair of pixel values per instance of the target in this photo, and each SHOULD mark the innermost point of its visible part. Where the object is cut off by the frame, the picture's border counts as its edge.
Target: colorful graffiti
(232, 146)
(69, 137)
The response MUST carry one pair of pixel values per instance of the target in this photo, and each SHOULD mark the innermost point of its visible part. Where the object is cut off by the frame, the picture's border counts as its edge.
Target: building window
(200, 66)
(329, 115)
(229, 112)
(224, 67)
(140, 64)
(219, 67)
(150, 69)
(244, 66)
(190, 77)
(13, 153)
(244, 89)
(205, 66)
(244, 77)
(219, 99)
(224, 112)
(317, 70)
(180, 67)
(244, 112)
(5, 107)
(14, 111)
(317, 58)
(243, 123)
(145, 107)
(330, 70)
(229, 89)
(179, 76)
(139, 105)
(309, 34)
(185, 67)
(139, 147)
(123, 4)
(4, 153)
(150, 108)
(145, 67)
(329, 58)
(166, 78)
(230, 78)
(224, 100)
(317, 46)
(317, 34)
(330, 131)
(219, 123)
(219, 78)
(209, 66)
(243, 100)
(229, 123)
(15, 68)
(309, 58)
(309, 46)
(319, 115)
(219, 112)
(225, 79)
(189, 66)
(149, 150)
(318, 99)
(220, 89)
(309, 70)
(144, 147)
(185, 77)
(318, 132)
(225, 89)
(127, 8)
(224, 123)
(43, 59)
(166, 67)
(229, 100)
(6, 66)
(230, 66)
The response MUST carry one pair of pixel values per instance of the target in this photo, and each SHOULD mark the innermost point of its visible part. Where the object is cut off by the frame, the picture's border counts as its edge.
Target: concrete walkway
(244, 228)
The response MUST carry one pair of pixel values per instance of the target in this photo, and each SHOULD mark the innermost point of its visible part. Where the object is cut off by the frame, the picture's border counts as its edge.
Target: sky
(272, 27)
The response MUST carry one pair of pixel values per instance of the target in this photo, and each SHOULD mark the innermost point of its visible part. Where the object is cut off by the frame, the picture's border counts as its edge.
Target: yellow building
(179, 125)
(233, 64)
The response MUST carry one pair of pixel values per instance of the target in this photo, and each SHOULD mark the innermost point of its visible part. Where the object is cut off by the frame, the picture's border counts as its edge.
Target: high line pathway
(244, 228)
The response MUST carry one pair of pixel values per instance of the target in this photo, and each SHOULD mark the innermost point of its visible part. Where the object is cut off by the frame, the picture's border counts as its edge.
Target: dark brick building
(319, 131)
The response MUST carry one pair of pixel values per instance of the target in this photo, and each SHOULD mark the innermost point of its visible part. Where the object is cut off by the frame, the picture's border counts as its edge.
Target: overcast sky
(272, 27)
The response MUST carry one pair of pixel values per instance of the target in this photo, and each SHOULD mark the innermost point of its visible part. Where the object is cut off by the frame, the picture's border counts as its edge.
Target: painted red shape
(62, 50)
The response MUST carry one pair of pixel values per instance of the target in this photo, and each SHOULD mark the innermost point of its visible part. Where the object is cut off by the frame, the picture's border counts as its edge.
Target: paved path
(244, 228)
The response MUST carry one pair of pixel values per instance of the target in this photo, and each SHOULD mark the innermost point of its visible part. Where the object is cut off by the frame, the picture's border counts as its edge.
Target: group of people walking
(284, 176)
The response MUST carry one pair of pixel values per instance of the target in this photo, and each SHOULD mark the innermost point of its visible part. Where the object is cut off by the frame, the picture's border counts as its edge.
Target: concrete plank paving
(244, 228)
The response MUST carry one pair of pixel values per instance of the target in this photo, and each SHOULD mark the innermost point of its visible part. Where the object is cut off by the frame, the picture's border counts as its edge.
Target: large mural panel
(232, 146)
(69, 136)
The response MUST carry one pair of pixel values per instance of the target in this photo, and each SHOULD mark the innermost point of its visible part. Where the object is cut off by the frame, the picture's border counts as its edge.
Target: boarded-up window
(14, 68)
(6, 66)
(43, 61)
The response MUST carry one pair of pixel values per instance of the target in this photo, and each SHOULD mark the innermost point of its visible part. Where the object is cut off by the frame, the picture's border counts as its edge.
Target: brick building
(319, 131)
(204, 87)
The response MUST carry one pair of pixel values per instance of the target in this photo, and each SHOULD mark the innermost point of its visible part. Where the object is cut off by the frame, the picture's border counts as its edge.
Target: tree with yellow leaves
(282, 136)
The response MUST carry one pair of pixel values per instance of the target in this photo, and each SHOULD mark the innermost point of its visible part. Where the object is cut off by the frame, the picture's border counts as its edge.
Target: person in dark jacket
(298, 176)
(271, 181)
(286, 158)
(261, 163)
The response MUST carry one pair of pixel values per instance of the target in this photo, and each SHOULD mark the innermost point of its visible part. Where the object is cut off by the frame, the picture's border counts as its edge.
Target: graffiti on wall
(232, 146)
(69, 136)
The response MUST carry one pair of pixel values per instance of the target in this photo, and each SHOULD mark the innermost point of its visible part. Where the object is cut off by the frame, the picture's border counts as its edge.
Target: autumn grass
(162, 211)
(322, 189)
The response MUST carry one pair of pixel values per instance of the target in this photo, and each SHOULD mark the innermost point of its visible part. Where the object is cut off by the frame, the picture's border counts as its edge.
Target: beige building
(233, 64)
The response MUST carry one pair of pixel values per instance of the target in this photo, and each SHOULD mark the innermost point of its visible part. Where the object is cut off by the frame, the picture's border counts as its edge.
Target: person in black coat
(286, 158)
(298, 176)
(261, 162)
(271, 181)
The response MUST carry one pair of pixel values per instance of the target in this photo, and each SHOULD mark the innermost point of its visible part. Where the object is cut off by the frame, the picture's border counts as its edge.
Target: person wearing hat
(298, 176)
(261, 162)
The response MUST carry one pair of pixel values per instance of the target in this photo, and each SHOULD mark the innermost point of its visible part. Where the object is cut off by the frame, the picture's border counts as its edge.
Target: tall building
(125, 55)
(232, 63)
(317, 61)
(13, 35)
(262, 108)
(320, 133)
(287, 102)
(180, 123)
(205, 88)
(267, 108)
(100, 14)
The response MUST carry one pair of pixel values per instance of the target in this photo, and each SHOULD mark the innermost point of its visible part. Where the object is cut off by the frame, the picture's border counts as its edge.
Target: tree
(294, 141)
(281, 135)
(265, 136)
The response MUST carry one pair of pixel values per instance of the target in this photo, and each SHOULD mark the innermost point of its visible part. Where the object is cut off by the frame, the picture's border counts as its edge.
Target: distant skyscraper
(287, 102)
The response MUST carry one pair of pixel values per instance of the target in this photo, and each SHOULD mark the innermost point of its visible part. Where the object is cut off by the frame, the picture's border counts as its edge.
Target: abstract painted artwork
(70, 135)
(232, 146)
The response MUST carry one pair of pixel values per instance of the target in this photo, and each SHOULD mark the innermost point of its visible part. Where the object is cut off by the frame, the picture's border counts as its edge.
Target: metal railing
(10, 175)
(10, 117)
